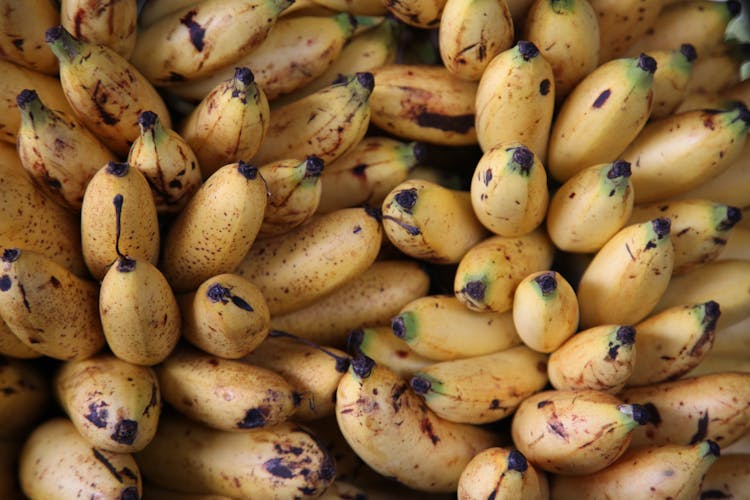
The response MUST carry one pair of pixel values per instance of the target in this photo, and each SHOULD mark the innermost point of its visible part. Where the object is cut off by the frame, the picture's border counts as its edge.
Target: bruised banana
(22, 28)
(502, 473)
(113, 24)
(425, 14)
(26, 396)
(620, 27)
(674, 69)
(379, 344)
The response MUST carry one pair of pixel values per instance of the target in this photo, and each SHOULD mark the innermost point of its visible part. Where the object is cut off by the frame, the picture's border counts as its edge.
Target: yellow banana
(628, 275)
(488, 274)
(590, 207)
(481, 389)
(153, 491)
(326, 123)
(515, 99)
(59, 153)
(104, 22)
(341, 490)
(601, 358)
(728, 477)
(25, 397)
(370, 400)
(167, 161)
(379, 344)
(654, 473)
(106, 92)
(295, 269)
(47, 307)
(153, 10)
(355, 7)
(196, 40)
(674, 69)
(737, 246)
(719, 72)
(687, 148)
(567, 34)
(733, 340)
(369, 300)
(424, 103)
(690, 410)
(509, 190)
(703, 100)
(622, 23)
(739, 92)
(22, 28)
(502, 473)
(472, 33)
(349, 467)
(440, 327)
(13, 347)
(424, 14)
(721, 362)
(429, 222)
(673, 342)
(601, 116)
(229, 124)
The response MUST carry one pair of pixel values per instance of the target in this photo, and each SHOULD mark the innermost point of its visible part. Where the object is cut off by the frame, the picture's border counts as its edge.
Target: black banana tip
(744, 113)
(733, 216)
(419, 150)
(398, 326)
(130, 493)
(406, 198)
(523, 157)
(475, 290)
(147, 120)
(547, 282)
(54, 33)
(354, 341)
(117, 168)
(125, 264)
(711, 314)
(688, 50)
(527, 49)
(661, 226)
(366, 79)
(374, 212)
(647, 63)
(26, 97)
(362, 365)
(619, 168)
(247, 170)
(313, 166)
(420, 384)
(641, 414)
(713, 448)
(626, 335)
(734, 7)
(217, 293)
(11, 254)
(517, 461)
(244, 75)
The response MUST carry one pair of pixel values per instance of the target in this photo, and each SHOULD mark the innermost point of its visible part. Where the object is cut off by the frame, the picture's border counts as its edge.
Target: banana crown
(65, 47)
(31, 107)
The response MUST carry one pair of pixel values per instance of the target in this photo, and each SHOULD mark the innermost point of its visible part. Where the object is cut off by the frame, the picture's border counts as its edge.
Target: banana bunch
(674, 71)
(502, 473)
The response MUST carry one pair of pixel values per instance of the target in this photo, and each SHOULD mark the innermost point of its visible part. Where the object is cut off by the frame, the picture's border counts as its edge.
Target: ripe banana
(674, 69)
(501, 473)
(326, 123)
(103, 22)
(11, 346)
(715, 74)
(600, 358)
(481, 389)
(472, 33)
(355, 7)
(601, 116)
(424, 14)
(22, 28)
(424, 452)
(728, 477)
(622, 23)
(574, 432)
(515, 99)
(25, 397)
(737, 246)
(153, 10)
(59, 153)
(229, 124)
(628, 275)
(106, 92)
(379, 344)
(488, 274)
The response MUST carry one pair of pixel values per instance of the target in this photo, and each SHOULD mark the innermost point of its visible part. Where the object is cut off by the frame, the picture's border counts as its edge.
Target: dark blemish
(98, 414)
(125, 431)
(494, 404)
(412, 230)
(218, 293)
(18, 43)
(653, 413)
(713, 448)
(651, 244)
(175, 184)
(541, 367)
(688, 50)
(374, 391)
(130, 493)
(632, 257)
(613, 350)
(733, 216)
(492, 495)
(599, 102)
(546, 282)
(248, 171)
(682, 231)
(213, 362)
(100, 97)
(152, 402)
(254, 418)
(7, 391)
(129, 474)
(196, 31)
(308, 491)
(53, 183)
(709, 494)
(527, 50)
(175, 77)
(426, 427)
(647, 63)
(276, 468)
(524, 158)
(558, 428)
(11, 255)
(359, 170)
(374, 212)
(55, 282)
(475, 290)
(517, 462)
(420, 384)
(619, 168)
(357, 229)
(544, 86)
(542, 404)
(296, 399)
(107, 464)
(625, 335)
(458, 123)
(396, 394)
(362, 365)
(702, 431)
(242, 304)
(24, 298)
(487, 176)
(5, 283)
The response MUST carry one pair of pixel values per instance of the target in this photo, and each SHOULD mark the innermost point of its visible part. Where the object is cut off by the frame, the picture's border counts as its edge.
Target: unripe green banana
(622, 23)
(13, 347)
(489, 272)
(113, 404)
(106, 92)
(379, 344)
(22, 28)
(295, 269)
(57, 462)
(728, 477)
(424, 14)
(481, 389)
(574, 432)
(590, 207)
(515, 99)
(674, 69)
(47, 307)
(424, 451)
(24, 397)
(216, 228)
(113, 24)
(654, 473)
(503, 474)
(628, 275)
(600, 358)
(601, 116)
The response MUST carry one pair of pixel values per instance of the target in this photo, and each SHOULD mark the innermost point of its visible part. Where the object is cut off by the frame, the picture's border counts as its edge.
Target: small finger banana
(379, 344)
(22, 28)
(424, 14)
(717, 73)
(25, 397)
(153, 10)
(674, 69)
(728, 477)
(107, 23)
(501, 473)
(737, 246)
(622, 23)
(13, 347)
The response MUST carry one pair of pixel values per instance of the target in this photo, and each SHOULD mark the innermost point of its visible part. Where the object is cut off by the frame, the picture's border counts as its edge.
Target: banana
(25, 397)
(590, 207)
(737, 246)
(106, 92)
(600, 358)
(313, 371)
(721, 362)
(504, 474)
(690, 410)
(717, 73)
(567, 34)
(113, 404)
(295, 189)
(509, 190)
(58, 152)
(429, 222)
(481, 389)
(574, 432)
(545, 310)
(674, 70)
(424, 452)
(355, 7)
(424, 14)
(140, 238)
(601, 116)
(47, 307)
(197, 40)
(441, 328)
(22, 28)
(670, 471)
(349, 467)
(700, 228)
(167, 161)
(733, 340)
(229, 124)
(425, 103)
(687, 148)
(702, 100)
(57, 462)
(728, 477)
(153, 10)
(341, 490)
(226, 316)
(379, 344)
(216, 228)
(13, 347)
(370, 299)
(628, 275)
(152, 491)
(295, 269)
(282, 461)
(739, 92)
(488, 274)
(326, 123)
(472, 33)
(103, 22)
(515, 99)
(622, 23)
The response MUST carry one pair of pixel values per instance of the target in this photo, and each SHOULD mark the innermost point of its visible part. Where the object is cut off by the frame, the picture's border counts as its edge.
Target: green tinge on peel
(562, 6)
(426, 386)
(637, 76)
(407, 325)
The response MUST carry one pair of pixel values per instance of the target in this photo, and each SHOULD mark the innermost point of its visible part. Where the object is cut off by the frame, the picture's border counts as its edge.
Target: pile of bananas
(374, 249)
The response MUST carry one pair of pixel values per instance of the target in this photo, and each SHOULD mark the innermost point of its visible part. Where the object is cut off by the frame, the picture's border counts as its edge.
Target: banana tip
(688, 50)
(247, 170)
(374, 212)
(517, 461)
(523, 157)
(661, 226)
(619, 168)
(354, 341)
(734, 7)
(54, 33)
(547, 282)
(244, 75)
(147, 120)
(362, 365)
(118, 169)
(366, 79)
(398, 325)
(406, 198)
(313, 166)
(713, 448)
(527, 49)
(626, 335)
(126, 264)
(25, 97)
(420, 384)
(647, 63)
(11, 254)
